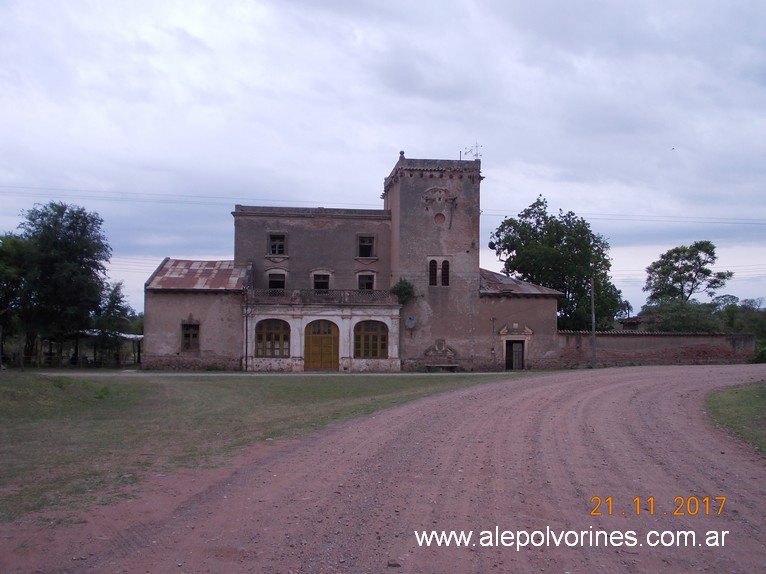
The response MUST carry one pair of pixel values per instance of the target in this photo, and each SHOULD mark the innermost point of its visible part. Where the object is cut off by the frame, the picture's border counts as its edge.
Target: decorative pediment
(440, 349)
(439, 195)
(515, 329)
(277, 258)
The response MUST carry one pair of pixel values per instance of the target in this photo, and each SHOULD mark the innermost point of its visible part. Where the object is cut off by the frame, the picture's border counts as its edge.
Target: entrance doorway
(514, 355)
(321, 349)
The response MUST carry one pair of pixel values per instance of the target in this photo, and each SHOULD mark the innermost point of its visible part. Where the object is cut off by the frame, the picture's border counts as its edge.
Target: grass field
(68, 441)
(742, 410)
(82, 439)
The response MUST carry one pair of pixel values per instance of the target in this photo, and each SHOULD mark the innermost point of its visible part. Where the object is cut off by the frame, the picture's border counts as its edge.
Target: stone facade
(309, 288)
(217, 318)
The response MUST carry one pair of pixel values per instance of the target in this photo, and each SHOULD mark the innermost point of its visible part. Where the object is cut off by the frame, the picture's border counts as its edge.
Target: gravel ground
(526, 455)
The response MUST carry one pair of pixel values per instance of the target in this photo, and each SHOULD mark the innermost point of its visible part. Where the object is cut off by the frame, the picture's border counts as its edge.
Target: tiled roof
(190, 275)
(497, 284)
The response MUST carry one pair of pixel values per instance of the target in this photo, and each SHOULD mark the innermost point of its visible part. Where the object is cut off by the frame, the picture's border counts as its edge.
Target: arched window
(272, 338)
(371, 340)
(445, 272)
(432, 268)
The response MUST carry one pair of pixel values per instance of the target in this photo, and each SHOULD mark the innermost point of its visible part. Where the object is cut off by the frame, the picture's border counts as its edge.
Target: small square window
(277, 244)
(366, 282)
(276, 280)
(321, 282)
(366, 246)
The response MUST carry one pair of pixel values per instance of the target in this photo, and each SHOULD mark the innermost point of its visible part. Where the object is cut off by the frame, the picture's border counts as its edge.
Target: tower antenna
(474, 151)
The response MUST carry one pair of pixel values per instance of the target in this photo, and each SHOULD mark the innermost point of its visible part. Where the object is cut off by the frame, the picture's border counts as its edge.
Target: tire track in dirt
(524, 454)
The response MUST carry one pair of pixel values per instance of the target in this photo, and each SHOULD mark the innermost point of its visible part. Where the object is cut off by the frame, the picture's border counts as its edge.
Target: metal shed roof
(192, 275)
(497, 284)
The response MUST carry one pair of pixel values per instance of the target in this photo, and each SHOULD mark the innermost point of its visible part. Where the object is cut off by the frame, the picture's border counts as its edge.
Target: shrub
(404, 291)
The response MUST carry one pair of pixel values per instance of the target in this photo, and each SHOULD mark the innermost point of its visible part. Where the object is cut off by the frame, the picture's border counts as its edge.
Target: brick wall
(621, 348)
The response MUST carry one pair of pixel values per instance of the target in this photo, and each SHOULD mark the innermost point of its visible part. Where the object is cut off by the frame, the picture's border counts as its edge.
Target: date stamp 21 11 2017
(681, 506)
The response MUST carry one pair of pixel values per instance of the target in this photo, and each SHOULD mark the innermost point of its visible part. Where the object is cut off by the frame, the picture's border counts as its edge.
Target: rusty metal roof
(499, 285)
(191, 275)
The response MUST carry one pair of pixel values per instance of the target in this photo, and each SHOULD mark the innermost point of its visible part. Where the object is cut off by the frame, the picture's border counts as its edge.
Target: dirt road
(527, 455)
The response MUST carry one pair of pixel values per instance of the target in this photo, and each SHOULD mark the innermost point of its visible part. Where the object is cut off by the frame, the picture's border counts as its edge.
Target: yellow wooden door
(321, 346)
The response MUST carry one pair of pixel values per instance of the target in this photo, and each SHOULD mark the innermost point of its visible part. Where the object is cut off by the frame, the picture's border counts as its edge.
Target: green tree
(12, 264)
(560, 252)
(744, 316)
(685, 271)
(65, 270)
(681, 316)
(113, 316)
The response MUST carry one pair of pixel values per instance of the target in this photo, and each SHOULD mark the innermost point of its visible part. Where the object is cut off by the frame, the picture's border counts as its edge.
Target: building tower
(434, 206)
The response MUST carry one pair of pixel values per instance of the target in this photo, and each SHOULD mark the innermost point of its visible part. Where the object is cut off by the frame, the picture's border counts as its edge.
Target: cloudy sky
(647, 118)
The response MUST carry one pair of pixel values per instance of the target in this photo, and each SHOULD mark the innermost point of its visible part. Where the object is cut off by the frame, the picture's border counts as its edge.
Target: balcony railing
(321, 297)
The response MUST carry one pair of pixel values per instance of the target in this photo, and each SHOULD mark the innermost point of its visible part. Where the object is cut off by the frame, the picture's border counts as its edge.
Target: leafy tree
(560, 252)
(746, 316)
(65, 270)
(753, 317)
(681, 316)
(137, 324)
(113, 316)
(684, 271)
(12, 266)
(114, 313)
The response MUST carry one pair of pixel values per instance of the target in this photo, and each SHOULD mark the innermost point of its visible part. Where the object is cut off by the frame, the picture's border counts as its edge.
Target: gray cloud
(162, 116)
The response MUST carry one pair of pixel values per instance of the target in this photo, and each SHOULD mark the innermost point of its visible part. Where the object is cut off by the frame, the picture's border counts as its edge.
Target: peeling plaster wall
(345, 318)
(220, 330)
(622, 348)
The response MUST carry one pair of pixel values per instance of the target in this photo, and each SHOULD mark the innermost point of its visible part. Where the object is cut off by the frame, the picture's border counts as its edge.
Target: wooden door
(321, 349)
(514, 355)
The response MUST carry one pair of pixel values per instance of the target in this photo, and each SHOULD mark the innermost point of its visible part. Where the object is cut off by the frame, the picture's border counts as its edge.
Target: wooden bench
(451, 367)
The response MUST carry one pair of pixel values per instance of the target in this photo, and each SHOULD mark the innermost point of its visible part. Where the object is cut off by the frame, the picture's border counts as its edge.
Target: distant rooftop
(190, 275)
(312, 212)
(497, 284)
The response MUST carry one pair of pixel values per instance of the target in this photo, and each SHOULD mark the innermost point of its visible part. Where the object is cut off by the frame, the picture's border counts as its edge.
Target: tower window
(438, 272)
(432, 270)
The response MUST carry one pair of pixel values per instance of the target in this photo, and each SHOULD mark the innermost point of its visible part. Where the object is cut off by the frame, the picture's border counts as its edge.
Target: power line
(652, 218)
(147, 197)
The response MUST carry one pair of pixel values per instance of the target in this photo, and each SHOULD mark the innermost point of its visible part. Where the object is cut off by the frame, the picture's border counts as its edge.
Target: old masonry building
(310, 289)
